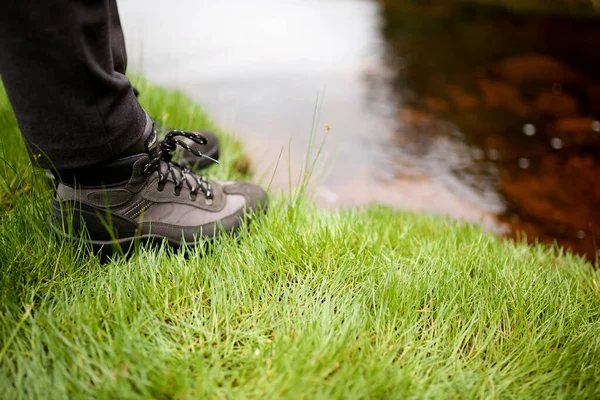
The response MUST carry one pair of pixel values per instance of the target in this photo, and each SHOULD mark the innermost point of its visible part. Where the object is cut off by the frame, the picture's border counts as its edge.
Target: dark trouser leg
(56, 62)
(117, 40)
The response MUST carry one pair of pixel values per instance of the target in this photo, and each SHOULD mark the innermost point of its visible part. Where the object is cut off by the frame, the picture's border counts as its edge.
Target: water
(465, 111)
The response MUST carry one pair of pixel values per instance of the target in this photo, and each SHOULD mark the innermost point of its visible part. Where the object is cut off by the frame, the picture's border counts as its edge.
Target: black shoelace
(162, 163)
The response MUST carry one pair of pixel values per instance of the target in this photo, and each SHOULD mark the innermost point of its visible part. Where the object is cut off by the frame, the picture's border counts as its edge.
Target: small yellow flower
(327, 127)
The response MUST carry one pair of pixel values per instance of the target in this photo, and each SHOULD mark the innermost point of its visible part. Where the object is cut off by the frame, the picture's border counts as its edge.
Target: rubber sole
(127, 246)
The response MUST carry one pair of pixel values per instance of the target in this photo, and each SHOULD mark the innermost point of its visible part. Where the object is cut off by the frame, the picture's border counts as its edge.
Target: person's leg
(80, 117)
(117, 39)
(57, 65)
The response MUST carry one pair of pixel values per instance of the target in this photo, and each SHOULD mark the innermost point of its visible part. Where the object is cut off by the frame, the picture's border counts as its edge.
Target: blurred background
(483, 110)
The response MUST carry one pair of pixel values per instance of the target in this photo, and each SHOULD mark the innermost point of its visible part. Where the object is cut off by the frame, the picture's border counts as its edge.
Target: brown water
(522, 92)
(473, 112)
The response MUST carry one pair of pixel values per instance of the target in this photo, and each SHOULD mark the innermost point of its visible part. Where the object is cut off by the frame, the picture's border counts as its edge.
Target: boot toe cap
(256, 197)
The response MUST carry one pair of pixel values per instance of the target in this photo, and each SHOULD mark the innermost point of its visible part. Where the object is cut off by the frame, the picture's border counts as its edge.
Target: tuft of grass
(305, 303)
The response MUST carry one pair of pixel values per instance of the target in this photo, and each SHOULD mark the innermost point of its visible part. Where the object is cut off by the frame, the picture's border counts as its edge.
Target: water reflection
(522, 92)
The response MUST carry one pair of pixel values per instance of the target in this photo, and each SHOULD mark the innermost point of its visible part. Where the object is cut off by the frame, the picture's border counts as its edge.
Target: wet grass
(306, 303)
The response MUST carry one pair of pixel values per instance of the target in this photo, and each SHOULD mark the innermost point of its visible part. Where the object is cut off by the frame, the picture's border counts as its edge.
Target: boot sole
(127, 246)
(124, 246)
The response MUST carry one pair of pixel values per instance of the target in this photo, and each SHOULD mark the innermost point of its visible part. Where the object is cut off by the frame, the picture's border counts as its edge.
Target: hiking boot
(209, 147)
(148, 198)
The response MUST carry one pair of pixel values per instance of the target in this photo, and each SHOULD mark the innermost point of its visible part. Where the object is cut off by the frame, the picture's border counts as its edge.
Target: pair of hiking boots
(147, 197)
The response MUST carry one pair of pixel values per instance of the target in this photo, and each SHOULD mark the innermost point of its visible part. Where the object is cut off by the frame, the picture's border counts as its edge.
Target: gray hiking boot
(208, 145)
(149, 199)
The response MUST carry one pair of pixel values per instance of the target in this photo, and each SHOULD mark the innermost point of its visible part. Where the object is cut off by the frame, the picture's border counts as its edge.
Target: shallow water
(479, 114)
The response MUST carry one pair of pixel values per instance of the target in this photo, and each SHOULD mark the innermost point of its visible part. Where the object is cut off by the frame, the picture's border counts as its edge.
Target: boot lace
(161, 161)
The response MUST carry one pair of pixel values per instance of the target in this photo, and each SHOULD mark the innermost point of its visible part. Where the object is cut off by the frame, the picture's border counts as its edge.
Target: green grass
(308, 303)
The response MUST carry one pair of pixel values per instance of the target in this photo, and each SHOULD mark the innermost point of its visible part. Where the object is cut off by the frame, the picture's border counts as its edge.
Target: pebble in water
(477, 154)
(529, 129)
(580, 234)
(596, 126)
(557, 143)
(524, 163)
(493, 154)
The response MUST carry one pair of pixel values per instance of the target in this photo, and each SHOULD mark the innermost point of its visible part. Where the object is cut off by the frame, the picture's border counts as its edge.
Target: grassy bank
(307, 303)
